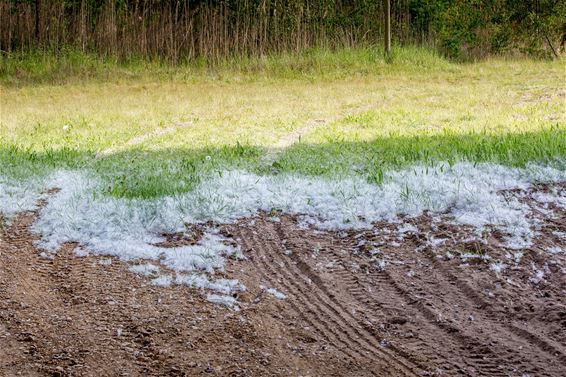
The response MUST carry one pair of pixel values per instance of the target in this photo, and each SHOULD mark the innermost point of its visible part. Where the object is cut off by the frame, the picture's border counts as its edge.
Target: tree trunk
(387, 38)
(37, 22)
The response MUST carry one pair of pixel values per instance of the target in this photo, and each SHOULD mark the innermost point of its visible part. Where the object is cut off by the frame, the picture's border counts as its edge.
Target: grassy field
(148, 129)
(136, 198)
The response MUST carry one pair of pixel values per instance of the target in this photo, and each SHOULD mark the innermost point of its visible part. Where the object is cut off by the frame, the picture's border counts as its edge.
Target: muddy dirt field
(423, 302)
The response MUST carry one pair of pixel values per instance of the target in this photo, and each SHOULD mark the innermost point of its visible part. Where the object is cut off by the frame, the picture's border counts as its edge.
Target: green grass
(372, 158)
(62, 112)
(71, 66)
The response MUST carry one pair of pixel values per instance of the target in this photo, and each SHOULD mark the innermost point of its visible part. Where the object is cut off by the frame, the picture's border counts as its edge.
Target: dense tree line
(215, 29)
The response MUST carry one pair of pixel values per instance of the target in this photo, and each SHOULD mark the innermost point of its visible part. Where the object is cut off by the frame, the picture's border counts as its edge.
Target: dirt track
(409, 309)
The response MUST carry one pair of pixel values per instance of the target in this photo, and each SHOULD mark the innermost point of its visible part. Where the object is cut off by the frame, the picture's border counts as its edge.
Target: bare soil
(359, 303)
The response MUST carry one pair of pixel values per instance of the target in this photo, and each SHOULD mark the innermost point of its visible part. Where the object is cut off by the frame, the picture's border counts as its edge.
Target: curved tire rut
(548, 347)
(317, 301)
(489, 366)
(486, 354)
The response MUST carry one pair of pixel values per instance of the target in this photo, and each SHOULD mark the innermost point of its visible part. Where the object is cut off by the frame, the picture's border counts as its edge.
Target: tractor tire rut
(344, 312)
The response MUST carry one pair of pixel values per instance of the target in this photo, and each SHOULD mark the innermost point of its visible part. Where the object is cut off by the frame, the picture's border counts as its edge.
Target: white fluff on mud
(131, 229)
(228, 301)
(146, 269)
(275, 293)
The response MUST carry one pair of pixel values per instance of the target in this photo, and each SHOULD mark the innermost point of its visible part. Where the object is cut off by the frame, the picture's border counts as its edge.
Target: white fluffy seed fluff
(130, 229)
(277, 294)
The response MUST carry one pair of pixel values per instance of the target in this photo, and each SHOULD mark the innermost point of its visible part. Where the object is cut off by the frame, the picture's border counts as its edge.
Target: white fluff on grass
(127, 229)
(130, 229)
(467, 191)
(16, 197)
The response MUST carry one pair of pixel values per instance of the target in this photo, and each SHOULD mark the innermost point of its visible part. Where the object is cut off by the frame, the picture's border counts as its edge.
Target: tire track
(357, 293)
(52, 336)
(137, 140)
(315, 310)
(483, 356)
(309, 127)
(337, 314)
(17, 241)
(478, 347)
(343, 312)
(30, 284)
(476, 300)
(478, 350)
(494, 317)
(513, 334)
(360, 295)
(326, 334)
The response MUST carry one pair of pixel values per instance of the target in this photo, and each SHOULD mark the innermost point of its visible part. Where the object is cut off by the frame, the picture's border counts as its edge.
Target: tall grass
(68, 65)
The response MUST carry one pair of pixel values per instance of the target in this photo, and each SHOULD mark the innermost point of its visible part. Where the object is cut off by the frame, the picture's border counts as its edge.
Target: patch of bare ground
(394, 300)
(72, 316)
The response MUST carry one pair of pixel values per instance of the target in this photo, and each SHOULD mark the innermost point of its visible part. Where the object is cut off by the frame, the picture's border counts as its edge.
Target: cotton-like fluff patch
(538, 274)
(207, 255)
(162, 281)
(557, 198)
(223, 286)
(146, 269)
(407, 228)
(497, 267)
(17, 196)
(556, 250)
(466, 191)
(228, 301)
(80, 252)
(105, 262)
(130, 229)
(277, 294)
